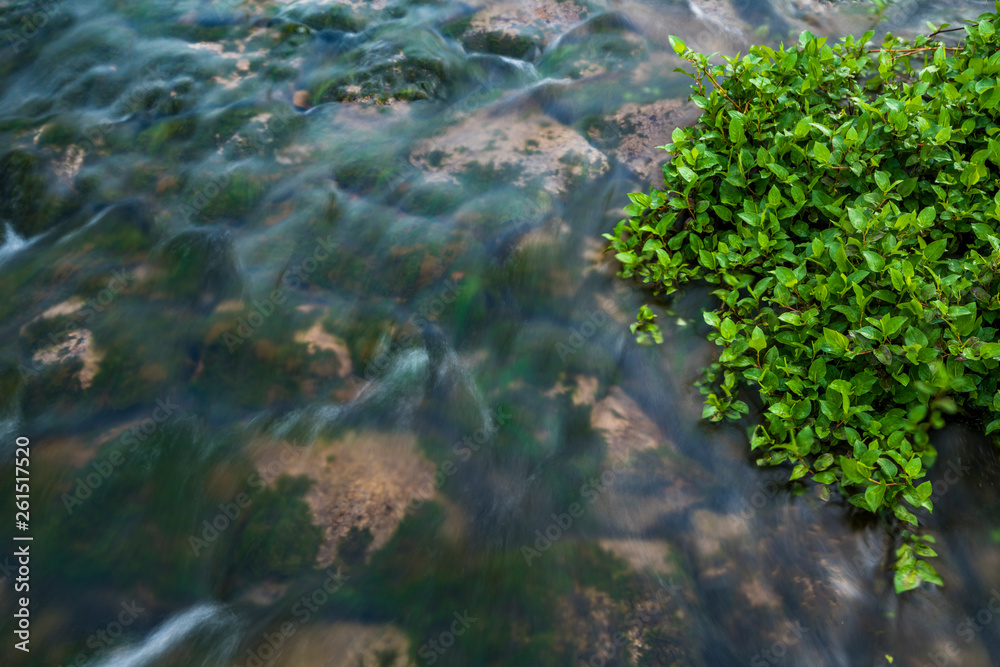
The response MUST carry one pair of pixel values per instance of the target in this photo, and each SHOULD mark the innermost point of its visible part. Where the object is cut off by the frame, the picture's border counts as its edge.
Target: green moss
(58, 134)
(431, 199)
(169, 133)
(456, 28)
(25, 198)
(279, 538)
(354, 545)
(500, 43)
(337, 17)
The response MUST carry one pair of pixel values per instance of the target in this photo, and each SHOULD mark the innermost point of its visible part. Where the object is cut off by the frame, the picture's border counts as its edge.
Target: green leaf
(828, 477)
(874, 495)
(824, 461)
(728, 329)
(906, 579)
(817, 247)
(904, 514)
(851, 470)
(926, 217)
(875, 262)
(890, 325)
(914, 336)
(736, 131)
(933, 251)
(882, 180)
(835, 339)
(821, 153)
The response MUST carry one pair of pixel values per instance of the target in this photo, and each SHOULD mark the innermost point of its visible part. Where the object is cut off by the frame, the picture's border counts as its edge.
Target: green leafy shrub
(841, 200)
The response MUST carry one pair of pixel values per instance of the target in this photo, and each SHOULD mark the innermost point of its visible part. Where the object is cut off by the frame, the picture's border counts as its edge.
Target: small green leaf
(875, 262)
(821, 153)
(874, 495)
(728, 329)
(835, 339)
(736, 131)
(882, 180)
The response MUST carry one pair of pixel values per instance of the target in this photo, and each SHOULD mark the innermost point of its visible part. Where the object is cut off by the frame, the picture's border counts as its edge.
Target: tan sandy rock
(364, 479)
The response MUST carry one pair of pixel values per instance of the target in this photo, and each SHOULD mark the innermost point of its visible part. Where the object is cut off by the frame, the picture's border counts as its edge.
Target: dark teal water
(306, 319)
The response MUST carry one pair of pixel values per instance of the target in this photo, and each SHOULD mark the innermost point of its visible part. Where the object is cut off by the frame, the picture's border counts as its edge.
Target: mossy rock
(237, 199)
(502, 43)
(24, 33)
(405, 80)
(201, 266)
(97, 87)
(431, 199)
(418, 65)
(594, 54)
(457, 27)
(279, 538)
(168, 135)
(26, 201)
(369, 172)
(126, 228)
(58, 134)
(337, 17)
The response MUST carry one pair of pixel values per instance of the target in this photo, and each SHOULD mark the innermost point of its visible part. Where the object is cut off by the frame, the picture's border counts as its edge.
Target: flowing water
(306, 317)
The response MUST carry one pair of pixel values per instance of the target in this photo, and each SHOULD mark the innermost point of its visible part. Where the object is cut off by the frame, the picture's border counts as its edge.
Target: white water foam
(13, 244)
(180, 628)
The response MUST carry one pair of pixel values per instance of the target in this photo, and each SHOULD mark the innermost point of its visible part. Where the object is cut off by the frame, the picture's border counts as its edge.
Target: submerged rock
(632, 134)
(362, 481)
(518, 29)
(346, 644)
(30, 201)
(514, 145)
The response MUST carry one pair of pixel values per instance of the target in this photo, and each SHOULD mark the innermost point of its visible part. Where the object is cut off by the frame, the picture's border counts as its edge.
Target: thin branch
(938, 32)
(723, 91)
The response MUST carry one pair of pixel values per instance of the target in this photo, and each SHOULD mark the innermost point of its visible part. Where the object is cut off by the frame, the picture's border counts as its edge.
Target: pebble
(301, 99)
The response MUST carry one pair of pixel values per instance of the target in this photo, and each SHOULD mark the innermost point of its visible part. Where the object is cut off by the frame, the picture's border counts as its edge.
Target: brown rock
(301, 99)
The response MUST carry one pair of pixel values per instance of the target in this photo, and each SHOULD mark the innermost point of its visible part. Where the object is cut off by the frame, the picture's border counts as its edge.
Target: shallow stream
(305, 312)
